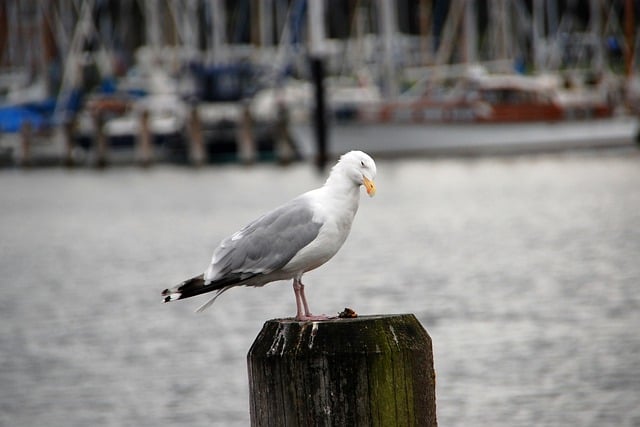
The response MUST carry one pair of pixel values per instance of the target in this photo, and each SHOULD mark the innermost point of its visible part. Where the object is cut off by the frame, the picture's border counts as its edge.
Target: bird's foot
(313, 318)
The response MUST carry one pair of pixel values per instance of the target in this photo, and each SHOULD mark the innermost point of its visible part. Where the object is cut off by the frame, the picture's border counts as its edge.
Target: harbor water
(524, 270)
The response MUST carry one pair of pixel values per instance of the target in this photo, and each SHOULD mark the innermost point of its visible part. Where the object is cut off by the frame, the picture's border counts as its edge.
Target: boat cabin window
(511, 96)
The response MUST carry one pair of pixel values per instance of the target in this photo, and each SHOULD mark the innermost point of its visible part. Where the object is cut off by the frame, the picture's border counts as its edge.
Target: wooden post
(317, 50)
(369, 371)
(197, 154)
(320, 112)
(26, 135)
(100, 141)
(145, 140)
(68, 131)
(284, 146)
(245, 139)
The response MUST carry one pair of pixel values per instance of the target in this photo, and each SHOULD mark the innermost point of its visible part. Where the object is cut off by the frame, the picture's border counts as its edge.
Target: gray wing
(266, 244)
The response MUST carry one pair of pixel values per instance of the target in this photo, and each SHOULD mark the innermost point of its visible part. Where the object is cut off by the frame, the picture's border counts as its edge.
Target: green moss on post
(372, 370)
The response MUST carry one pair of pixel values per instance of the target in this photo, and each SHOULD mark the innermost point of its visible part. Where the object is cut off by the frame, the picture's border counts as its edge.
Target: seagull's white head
(359, 168)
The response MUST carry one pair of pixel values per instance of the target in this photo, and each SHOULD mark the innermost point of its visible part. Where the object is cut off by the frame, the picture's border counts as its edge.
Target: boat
(479, 114)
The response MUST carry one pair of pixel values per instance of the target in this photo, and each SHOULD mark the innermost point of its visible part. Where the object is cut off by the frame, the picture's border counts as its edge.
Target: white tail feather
(172, 297)
(208, 304)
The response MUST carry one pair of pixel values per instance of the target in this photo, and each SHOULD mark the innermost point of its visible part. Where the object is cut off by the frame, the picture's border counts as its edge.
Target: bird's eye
(362, 163)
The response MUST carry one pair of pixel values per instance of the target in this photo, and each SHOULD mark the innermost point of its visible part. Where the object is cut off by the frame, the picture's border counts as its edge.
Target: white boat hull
(387, 139)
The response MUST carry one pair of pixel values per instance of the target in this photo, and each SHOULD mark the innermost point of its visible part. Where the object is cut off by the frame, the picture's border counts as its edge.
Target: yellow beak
(370, 186)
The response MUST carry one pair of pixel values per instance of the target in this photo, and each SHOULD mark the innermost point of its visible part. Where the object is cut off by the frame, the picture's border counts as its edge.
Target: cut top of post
(363, 334)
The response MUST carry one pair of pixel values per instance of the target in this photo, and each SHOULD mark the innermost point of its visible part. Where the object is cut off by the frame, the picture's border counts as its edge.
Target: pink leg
(307, 312)
(301, 302)
(296, 290)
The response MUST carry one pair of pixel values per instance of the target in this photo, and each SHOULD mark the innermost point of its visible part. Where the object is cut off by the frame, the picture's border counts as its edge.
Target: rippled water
(524, 270)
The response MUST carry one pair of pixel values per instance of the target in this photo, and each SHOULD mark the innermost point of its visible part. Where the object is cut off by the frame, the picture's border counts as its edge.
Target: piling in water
(101, 146)
(320, 111)
(26, 135)
(144, 147)
(371, 370)
(245, 139)
(197, 155)
(68, 129)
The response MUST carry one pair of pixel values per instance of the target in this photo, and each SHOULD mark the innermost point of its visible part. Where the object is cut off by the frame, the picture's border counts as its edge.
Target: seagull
(288, 241)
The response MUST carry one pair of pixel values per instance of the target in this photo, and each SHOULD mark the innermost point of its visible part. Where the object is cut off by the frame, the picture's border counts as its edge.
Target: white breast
(336, 213)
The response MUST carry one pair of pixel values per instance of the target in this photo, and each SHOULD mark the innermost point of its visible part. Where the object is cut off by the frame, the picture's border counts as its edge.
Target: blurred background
(135, 135)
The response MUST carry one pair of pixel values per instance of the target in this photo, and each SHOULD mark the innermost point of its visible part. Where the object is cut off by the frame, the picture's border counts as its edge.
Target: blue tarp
(12, 118)
(38, 114)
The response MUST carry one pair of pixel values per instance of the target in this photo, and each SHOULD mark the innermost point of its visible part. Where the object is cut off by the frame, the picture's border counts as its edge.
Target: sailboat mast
(629, 32)
(387, 24)
(470, 32)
